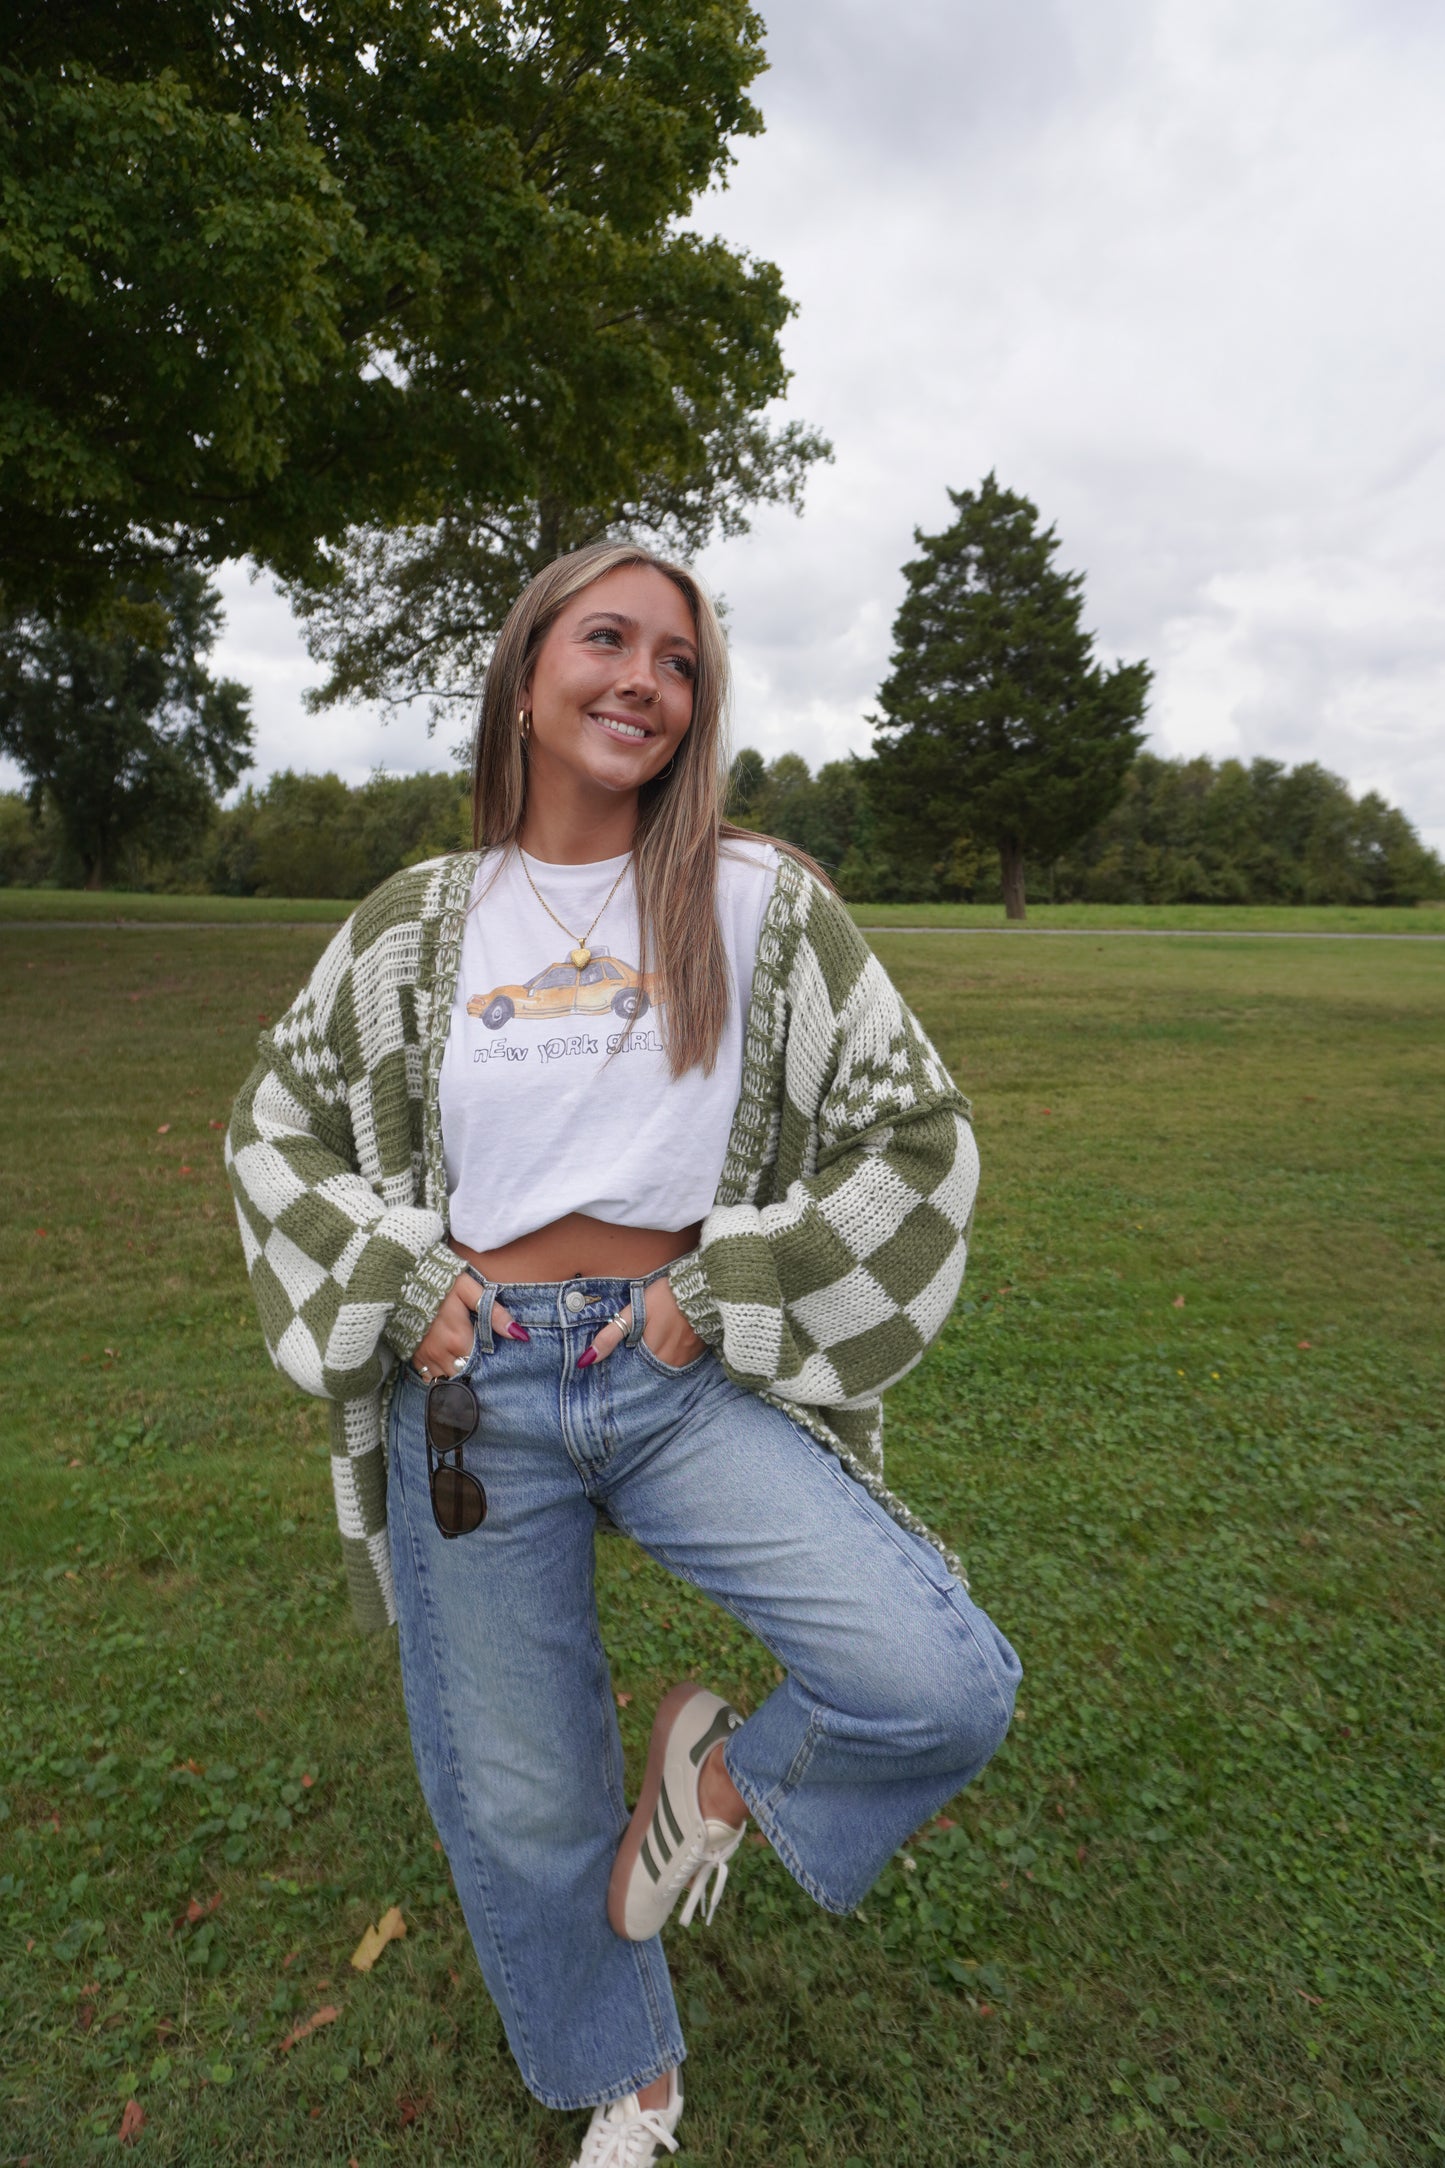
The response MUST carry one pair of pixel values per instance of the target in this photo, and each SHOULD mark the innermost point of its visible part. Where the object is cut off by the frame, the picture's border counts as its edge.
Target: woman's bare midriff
(580, 1248)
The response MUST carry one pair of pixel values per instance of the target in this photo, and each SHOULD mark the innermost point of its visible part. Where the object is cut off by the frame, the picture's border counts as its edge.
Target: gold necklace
(580, 955)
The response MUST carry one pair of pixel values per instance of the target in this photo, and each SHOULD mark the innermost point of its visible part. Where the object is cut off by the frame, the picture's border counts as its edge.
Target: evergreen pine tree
(997, 721)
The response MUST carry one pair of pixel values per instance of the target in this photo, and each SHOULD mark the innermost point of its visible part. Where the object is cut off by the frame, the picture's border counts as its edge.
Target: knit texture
(830, 1259)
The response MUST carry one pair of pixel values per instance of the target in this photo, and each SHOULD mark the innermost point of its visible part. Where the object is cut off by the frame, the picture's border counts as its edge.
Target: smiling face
(611, 690)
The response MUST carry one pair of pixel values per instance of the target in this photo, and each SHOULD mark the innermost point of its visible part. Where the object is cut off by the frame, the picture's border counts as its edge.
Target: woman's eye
(603, 632)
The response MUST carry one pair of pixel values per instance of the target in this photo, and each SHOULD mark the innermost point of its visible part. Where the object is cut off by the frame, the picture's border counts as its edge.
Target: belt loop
(637, 1295)
(482, 1321)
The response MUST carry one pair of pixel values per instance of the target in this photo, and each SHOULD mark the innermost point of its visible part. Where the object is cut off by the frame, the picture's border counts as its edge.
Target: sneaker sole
(629, 1851)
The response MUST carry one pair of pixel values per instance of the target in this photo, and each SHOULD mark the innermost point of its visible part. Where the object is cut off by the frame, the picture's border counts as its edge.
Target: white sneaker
(669, 1845)
(627, 2135)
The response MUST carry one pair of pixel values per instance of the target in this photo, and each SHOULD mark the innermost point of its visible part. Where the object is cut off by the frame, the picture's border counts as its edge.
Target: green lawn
(1166, 917)
(1191, 1914)
(49, 906)
(64, 905)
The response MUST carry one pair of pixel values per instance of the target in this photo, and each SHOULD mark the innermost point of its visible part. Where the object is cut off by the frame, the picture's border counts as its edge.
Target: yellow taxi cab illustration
(604, 983)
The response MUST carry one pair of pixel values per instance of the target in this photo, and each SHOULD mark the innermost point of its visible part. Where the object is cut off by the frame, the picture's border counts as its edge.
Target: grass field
(1185, 1428)
(50, 906)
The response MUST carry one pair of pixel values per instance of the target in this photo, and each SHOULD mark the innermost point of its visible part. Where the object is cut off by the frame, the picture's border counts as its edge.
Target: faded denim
(897, 1688)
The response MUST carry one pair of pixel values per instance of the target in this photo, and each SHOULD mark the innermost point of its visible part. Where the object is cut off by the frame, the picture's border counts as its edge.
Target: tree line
(1183, 831)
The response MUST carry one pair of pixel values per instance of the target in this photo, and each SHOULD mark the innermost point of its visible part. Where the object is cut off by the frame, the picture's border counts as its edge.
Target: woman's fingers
(447, 1348)
(611, 1336)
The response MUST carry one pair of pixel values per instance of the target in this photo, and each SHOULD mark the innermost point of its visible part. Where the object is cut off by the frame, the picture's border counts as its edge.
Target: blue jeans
(897, 1687)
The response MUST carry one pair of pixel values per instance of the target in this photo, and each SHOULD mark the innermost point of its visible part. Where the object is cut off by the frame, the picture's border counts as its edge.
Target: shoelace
(628, 2142)
(710, 1864)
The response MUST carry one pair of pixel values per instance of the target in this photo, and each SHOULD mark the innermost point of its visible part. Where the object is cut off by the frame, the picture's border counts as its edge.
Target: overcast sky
(1172, 272)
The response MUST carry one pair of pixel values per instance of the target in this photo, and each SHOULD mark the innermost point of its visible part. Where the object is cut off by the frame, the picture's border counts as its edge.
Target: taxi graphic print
(605, 983)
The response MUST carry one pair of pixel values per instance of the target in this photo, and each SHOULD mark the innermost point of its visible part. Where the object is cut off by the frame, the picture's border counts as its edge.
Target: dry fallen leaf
(195, 1910)
(389, 1928)
(164, 1129)
(132, 2122)
(326, 2015)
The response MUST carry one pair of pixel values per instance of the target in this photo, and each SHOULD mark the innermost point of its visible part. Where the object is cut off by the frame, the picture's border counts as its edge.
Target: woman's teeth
(623, 730)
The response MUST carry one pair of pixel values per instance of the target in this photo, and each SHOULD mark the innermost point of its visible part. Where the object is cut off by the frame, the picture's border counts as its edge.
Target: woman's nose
(639, 681)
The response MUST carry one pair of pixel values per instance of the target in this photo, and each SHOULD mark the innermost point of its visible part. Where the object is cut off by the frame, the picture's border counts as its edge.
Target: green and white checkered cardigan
(830, 1259)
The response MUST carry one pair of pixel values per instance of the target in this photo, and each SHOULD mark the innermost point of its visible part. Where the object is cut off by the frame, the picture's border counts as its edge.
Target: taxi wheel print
(631, 1003)
(498, 1012)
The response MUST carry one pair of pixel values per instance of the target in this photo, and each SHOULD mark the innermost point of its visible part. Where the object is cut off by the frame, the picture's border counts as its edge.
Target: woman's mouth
(621, 727)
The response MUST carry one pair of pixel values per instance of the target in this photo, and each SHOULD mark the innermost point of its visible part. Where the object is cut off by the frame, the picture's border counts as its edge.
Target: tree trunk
(95, 874)
(1011, 870)
(549, 528)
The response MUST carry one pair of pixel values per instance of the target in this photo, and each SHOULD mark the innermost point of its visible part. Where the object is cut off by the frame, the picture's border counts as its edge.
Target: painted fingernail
(517, 1332)
(589, 1355)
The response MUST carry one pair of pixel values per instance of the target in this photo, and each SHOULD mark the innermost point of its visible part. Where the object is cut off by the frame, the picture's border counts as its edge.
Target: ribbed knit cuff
(423, 1292)
(688, 1281)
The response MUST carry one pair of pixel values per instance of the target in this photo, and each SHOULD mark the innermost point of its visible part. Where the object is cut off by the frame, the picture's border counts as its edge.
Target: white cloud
(1166, 271)
(262, 646)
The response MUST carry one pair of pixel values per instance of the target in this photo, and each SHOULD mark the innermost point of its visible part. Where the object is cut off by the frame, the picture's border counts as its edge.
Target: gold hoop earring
(524, 724)
(663, 773)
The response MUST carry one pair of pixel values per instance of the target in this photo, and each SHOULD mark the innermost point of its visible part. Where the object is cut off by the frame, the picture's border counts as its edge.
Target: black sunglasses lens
(451, 1414)
(458, 1501)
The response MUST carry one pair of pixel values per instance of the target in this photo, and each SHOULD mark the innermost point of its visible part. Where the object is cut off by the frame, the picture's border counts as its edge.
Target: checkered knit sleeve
(834, 1288)
(346, 1268)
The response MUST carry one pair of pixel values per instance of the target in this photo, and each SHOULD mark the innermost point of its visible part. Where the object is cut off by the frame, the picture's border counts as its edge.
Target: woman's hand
(667, 1332)
(446, 1347)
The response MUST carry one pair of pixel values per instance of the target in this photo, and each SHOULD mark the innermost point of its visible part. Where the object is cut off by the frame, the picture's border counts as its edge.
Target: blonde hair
(680, 815)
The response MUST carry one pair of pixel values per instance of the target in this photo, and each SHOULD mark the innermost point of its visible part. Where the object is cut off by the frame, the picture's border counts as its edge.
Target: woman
(600, 1173)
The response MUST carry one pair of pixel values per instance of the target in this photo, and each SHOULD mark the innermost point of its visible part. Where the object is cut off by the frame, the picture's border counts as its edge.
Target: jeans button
(575, 1300)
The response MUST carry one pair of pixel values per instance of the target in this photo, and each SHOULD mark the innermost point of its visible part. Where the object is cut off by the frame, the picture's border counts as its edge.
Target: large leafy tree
(118, 726)
(410, 612)
(273, 274)
(998, 723)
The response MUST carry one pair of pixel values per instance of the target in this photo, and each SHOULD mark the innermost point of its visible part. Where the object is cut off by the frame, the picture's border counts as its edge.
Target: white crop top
(536, 1121)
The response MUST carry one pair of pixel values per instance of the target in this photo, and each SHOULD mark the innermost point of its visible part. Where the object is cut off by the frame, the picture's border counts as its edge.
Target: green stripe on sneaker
(726, 1720)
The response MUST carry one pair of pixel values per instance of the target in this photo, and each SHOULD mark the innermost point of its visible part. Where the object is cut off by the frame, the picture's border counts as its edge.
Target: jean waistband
(588, 1301)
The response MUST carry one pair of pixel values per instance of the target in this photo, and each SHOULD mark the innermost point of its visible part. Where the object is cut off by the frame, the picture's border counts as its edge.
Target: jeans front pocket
(669, 1370)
